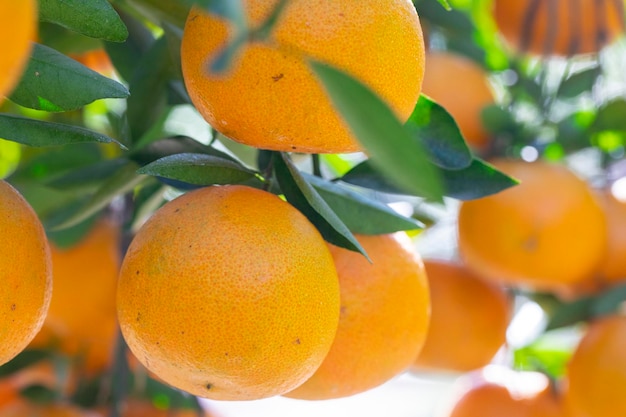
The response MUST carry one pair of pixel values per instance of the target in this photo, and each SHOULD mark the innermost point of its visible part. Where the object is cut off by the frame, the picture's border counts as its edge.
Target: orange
(229, 293)
(463, 89)
(82, 315)
(97, 60)
(25, 273)
(270, 98)
(597, 370)
(18, 27)
(385, 311)
(497, 392)
(545, 233)
(559, 27)
(468, 321)
(613, 267)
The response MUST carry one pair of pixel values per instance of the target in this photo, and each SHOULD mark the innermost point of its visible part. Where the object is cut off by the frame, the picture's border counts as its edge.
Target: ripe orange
(82, 315)
(597, 370)
(385, 311)
(97, 60)
(229, 293)
(613, 266)
(270, 98)
(497, 392)
(25, 273)
(18, 27)
(468, 321)
(462, 88)
(545, 233)
(559, 27)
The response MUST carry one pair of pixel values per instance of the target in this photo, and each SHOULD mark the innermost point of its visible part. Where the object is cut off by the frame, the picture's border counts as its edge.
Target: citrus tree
(203, 199)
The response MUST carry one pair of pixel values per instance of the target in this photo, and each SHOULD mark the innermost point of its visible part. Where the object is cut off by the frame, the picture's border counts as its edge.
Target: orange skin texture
(546, 233)
(82, 314)
(25, 273)
(229, 293)
(18, 27)
(463, 89)
(385, 310)
(597, 24)
(270, 98)
(468, 321)
(597, 370)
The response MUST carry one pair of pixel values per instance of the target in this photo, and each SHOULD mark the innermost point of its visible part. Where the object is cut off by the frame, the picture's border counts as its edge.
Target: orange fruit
(97, 60)
(468, 321)
(270, 98)
(25, 273)
(463, 89)
(229, 293)
(545, 233)
(559, 27)
(613, 266)
(385, 310)
(82, 314)
(497, 392)
(597, 370)
(18, 27)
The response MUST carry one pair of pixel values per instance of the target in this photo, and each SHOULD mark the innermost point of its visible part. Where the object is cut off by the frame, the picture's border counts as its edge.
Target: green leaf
(389, 144)
(436, 130)
(306, 199)
(94, 18)
(198, 169)
(580, 82)
(611, 116)
(571, 313)
(549, 354)
(54, 82)
(358, 212)
(88, 178)
(23, 360)
(123, 181)
(33, 132)
(609, 302)
(476, 181)
(148, 86)
(69, 237)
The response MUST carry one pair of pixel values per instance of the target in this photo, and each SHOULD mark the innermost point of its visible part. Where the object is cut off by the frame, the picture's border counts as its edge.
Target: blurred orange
(546, 233)
(468, 321)
(97, 60)
(81, 321)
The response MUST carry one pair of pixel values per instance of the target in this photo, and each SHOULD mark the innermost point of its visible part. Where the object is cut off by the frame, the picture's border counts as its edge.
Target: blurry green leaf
(360, 213)
(579, 82)
(123, 181)
(390, 146)
(23, 360)
(33, 132)
(38, 394)
(571, 313)
(148, 85)
(451, 20)
(65, 40)
(549, 354)
(498, 120)
(445, 4)
(198, 169)
(69, 237)
(170, 146)
(611, 116)
(9, 157)
(609, 302)
(436, 130)
(87, 178)
(126, 56)
(478, 180)
(54, 82)
(94, 18)
(306, 199)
